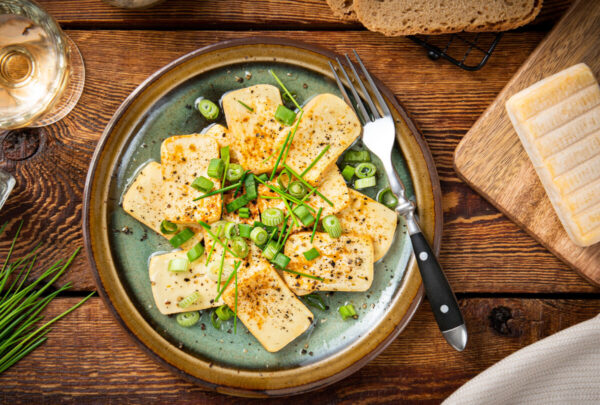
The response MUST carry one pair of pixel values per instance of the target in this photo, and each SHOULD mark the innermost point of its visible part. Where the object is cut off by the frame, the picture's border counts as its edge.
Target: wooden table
(497, 271)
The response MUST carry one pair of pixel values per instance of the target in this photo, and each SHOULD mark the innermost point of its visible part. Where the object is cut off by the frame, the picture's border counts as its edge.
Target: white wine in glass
(41, 69)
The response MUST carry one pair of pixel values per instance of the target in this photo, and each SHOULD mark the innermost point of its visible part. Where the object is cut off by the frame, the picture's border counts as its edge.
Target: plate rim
(227, 389)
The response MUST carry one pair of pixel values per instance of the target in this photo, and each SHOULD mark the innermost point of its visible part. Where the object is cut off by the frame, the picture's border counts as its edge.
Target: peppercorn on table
(512, 291)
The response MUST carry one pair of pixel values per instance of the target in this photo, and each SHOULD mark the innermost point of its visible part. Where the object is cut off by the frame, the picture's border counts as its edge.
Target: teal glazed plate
(231, 363)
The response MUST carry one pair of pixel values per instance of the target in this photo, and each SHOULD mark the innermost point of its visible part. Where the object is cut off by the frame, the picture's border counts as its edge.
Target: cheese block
(144, 201)
(168, 288)
(183, 159)
(558, 123)
(366, 216)
(258, 137)
(333, 187)
(344, 264)
(327, 120)
(224, 138)
(266, 306)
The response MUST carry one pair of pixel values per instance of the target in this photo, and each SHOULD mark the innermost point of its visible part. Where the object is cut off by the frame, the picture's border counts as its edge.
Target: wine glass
(41, 69)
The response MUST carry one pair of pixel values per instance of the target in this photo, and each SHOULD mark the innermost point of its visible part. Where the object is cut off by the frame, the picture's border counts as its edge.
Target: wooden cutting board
(490, 157)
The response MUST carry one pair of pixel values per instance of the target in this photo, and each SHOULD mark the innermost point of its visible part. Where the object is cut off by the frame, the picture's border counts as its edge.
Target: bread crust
(343, 9)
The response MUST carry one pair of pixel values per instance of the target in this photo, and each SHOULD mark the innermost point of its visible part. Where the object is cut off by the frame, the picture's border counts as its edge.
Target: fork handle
(439, 293)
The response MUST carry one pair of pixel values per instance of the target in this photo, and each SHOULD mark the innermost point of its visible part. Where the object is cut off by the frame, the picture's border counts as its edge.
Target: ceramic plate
(236, 363)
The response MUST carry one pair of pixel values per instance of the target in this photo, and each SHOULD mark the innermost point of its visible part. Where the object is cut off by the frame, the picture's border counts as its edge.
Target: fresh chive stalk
(314, 162)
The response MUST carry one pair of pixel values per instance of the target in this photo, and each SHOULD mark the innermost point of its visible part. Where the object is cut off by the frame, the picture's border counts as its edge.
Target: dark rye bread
(409, 17)
(343, 9)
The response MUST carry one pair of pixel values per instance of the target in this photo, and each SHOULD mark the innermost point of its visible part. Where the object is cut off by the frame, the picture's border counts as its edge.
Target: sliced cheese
(327, 120)
(144, 201)
(558, 123)
(224, 138)
(258, 137)
(266, 306)
(366, 216)
(169, 288)
(344, 264)
(183, 158)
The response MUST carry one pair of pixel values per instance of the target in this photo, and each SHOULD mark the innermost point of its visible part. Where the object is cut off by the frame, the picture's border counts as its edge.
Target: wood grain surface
(95, 362)
(492, 160)
(482, 251)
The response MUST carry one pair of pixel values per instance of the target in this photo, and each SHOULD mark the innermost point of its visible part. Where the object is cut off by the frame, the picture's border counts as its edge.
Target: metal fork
(379, 133)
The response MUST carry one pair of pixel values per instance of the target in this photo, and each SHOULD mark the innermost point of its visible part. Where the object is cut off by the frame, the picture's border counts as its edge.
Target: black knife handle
(443, 302)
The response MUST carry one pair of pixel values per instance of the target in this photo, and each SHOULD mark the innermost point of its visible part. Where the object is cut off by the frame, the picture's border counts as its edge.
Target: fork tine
(374, 110)
(380, 100)
(361, 108)
(340, 85)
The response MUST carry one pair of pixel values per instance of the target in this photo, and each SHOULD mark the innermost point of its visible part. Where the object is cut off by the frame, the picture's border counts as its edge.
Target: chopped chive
(236, 304)
(312, 235)
(212, 248)
(348, 172)
(269, 197)
(285, 89)
(181, 237)
(281, 233)
(293, 135)
(285, 142)
(287, 235)
(213, 236)
(221, 264)
(296, 175)
(314, 162)
(269, 158)
(219, 191)
(246, 106)
(236, 265)
(291, 212)
(303, 274)
(286, 195)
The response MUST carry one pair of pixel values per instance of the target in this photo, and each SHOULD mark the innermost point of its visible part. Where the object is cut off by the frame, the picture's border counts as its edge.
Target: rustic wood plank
(481, 250)
(238, 14)
(88, 358)
(492, 159)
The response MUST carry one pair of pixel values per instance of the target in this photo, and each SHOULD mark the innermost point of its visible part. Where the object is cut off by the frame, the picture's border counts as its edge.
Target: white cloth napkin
(561, 369)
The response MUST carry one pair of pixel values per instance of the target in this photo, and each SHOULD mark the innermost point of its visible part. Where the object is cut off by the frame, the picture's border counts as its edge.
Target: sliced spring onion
(307, 184)
(246, 106)
(214, 319)
(231, 230)
(244, 212)
(202, 184)
(272, 216)
(304, 215)
(387, 198)
(259, 236)
(238, 203)
(312, 235)
(285, 116)
(288, 98)
(216, 168)
(316, 301)
(367, 182)
(315, 160)
(179, 265)
(357, 156)
(181, 237)
(286, 195)
(207, 108)
(196, 252)
(263, 177)
(219, 191)
(239, 247)
(332, 226)
(224, 313)
(284, 179)
(225, 153)
(245, 230)
(311, 254)
(365, 170)
(189, 300)
(348, 172)
(187, 319)
(250, 186)
(297, 189)
(280, 260)
(235, 172)
(218, 228)
(167, 227)
(270, 250)
(348, 311)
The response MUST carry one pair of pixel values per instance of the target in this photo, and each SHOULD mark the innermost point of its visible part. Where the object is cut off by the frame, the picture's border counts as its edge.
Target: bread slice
(343, 9)
(410, 17)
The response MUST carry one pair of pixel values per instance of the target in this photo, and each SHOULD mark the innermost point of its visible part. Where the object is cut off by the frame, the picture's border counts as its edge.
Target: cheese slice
(333, 187)
(327, 120)
(345, 263)
(258, 137)
(266, 306)
(144, 201)
(183, 158)
(558, 123)
(366, 216)
(224, 138)
(168, 288)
